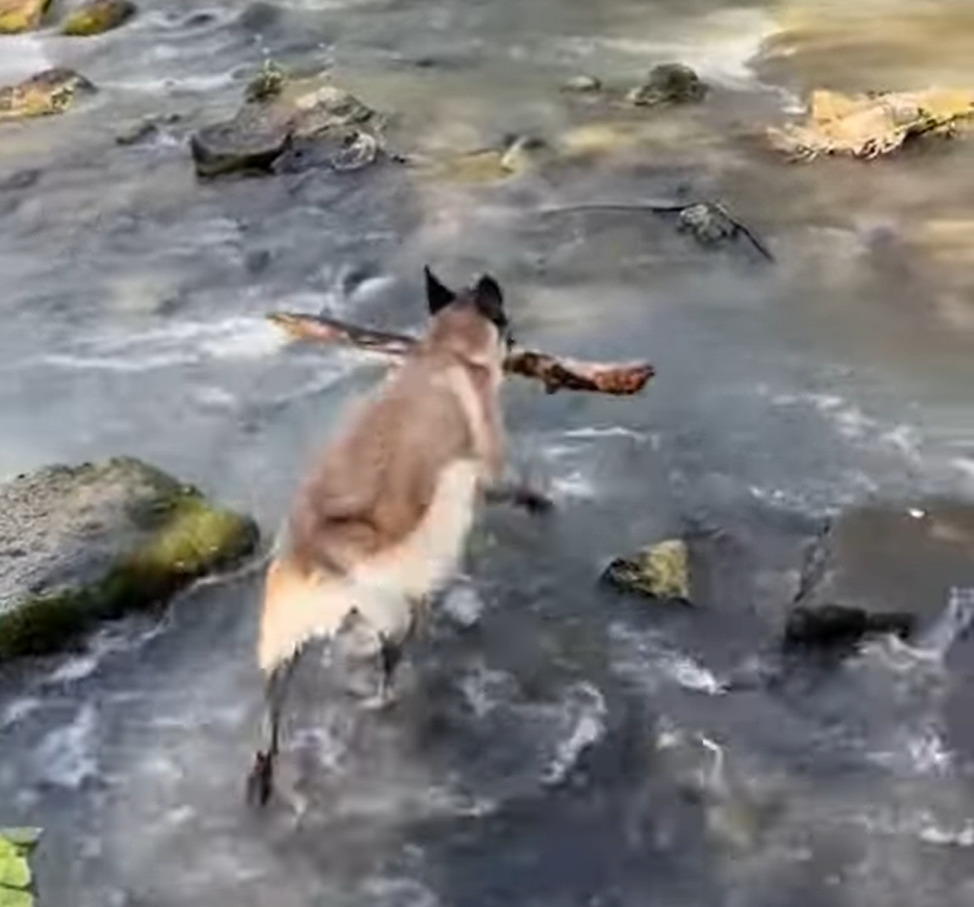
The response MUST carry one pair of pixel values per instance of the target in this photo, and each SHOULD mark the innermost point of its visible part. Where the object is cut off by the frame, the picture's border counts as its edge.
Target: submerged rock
(582, 84)
(659, 571)
(98, 16)
(21, 15)
(88, 543)
(49, 92)
(883, 569)
(275, 117)
(669, 83)
(840, 626)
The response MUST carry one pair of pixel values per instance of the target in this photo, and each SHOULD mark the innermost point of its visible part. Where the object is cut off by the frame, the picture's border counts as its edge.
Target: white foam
(65, 757)
(719, 47)
(18, 710)
(587, 726)
(178, 343)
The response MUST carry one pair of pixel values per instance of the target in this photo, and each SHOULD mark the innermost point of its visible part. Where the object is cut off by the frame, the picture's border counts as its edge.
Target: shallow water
(572, 748)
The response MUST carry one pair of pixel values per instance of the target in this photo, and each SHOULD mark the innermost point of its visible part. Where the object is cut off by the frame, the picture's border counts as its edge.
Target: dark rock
(199, 20)
(323, 123)
(841, 627)
(891, 569)
(707, 224)
(669, 83)
(21, 179)
(249, 142)
(260, 16)
(102, 539)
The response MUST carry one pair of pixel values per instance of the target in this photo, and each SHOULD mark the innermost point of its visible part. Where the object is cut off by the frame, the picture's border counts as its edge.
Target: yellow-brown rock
(49, 92)
(21, 15)
(97, 17)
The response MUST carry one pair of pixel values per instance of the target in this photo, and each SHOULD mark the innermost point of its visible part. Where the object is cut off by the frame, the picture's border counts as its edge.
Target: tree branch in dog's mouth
(555, 372)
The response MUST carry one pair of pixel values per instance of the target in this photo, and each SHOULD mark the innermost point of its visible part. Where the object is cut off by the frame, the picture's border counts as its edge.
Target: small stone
(524, 152)
(49, 92)
(138, 134)
(707, 224)
(659, 571)
(582, 84)
(669, 83)
(97, 17)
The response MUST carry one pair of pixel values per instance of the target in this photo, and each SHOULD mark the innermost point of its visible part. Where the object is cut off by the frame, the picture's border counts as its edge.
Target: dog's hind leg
(260, 782)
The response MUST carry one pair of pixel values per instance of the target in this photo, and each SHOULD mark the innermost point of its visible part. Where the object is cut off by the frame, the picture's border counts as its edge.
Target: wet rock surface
(49, 92)
(92, 542)
(98, 16)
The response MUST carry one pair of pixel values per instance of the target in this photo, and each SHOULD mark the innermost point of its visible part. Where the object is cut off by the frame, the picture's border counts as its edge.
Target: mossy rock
(97, 17)
(88, 543)
(47, 93)
(21, 15)
(659, 571)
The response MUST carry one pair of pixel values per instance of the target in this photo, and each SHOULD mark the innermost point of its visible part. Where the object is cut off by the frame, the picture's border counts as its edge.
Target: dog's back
(382, 519)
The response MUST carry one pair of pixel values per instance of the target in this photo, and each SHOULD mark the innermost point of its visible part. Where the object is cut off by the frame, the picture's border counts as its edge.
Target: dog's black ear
(490, 300)
(437, 295)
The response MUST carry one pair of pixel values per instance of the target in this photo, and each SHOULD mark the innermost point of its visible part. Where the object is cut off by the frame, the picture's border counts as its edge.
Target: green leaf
(14, 871)
(12, 897)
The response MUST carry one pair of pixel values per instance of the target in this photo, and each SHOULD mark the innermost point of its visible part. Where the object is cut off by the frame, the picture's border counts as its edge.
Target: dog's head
(476, 312)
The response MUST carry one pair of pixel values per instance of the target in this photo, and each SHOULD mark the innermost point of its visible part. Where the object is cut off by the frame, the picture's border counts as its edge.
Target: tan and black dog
(381, 522)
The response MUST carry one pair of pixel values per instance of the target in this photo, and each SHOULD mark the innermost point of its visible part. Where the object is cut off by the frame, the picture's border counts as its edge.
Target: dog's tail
(298, 606)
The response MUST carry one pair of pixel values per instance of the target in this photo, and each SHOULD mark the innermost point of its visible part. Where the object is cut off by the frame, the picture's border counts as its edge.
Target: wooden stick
(616, 378)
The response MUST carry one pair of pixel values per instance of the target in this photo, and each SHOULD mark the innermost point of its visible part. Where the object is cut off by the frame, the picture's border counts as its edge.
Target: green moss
(267, 84)
(97, 17)
(188, 539)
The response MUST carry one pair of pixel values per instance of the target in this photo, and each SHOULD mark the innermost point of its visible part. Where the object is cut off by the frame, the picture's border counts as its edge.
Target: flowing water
(571, 748)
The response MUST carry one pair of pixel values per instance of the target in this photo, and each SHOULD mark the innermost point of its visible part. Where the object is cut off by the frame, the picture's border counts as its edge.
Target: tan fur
(382, 519)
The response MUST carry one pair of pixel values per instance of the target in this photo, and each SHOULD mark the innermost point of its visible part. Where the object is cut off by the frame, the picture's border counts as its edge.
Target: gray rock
(669, 83)
(86, 543)
(323, 123)
(875, 567)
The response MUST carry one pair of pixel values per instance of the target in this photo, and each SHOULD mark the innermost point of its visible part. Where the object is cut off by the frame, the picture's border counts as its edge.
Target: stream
(554, 743)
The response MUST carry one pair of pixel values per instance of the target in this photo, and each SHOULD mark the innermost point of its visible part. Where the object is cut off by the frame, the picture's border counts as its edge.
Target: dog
(380, 524)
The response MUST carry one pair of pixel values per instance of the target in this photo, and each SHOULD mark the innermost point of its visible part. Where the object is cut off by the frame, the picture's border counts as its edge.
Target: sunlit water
(543, 757)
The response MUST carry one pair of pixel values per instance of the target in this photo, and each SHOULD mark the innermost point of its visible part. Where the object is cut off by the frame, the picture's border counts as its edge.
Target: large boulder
(87, 543)
(885, 568)
(278, 114)
(98, 16)
(21, 15)
(49, 92)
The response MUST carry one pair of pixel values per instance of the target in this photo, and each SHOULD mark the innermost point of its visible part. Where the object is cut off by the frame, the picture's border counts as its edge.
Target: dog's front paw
(533, 501)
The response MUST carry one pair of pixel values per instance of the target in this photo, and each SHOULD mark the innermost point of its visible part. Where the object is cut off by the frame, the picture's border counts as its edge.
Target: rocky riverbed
(808, 443)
